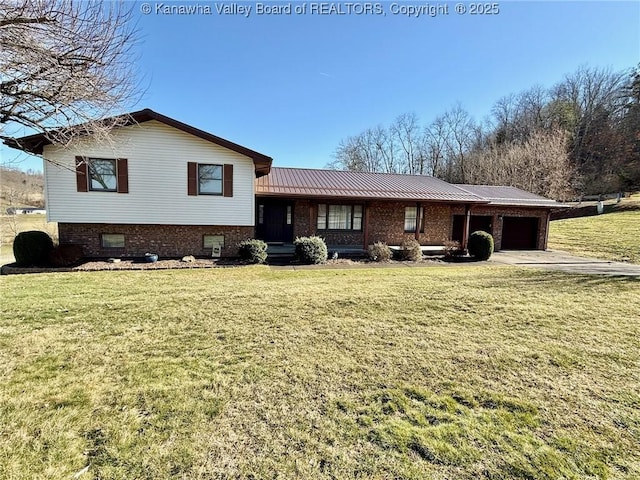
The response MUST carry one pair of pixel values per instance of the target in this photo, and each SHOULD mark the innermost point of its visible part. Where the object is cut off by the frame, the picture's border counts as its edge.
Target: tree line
(579, 137)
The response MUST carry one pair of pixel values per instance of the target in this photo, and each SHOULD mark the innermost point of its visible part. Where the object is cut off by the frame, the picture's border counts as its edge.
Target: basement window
(112, 240)
(210, 241)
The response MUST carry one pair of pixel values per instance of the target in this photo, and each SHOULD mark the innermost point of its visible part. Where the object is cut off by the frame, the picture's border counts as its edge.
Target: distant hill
(20, 189)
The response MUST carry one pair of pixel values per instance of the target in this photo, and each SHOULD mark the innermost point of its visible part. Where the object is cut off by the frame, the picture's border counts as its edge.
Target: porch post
(418, 221)
(465, 230)
(365, 227)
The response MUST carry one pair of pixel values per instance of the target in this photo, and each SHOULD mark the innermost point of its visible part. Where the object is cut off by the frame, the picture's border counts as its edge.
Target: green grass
(612, 236)
(458, 372)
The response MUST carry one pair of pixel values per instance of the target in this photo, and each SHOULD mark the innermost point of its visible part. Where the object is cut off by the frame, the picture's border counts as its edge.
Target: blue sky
(292, 86)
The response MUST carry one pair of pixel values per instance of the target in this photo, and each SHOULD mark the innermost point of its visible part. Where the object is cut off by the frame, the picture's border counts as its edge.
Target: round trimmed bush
(311, 250)
(480, 245)
(253, 251)
(410, 250)
(379, 252)
(32, 248)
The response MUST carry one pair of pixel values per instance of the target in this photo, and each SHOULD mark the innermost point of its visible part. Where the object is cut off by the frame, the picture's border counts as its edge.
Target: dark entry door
(275, 222)
(477, 222)
(519, 233)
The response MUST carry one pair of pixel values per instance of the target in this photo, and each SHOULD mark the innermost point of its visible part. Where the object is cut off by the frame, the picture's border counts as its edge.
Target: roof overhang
(369, 197)
(35, 143)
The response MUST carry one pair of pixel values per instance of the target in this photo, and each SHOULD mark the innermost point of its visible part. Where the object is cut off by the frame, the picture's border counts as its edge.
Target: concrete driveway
(565, 262)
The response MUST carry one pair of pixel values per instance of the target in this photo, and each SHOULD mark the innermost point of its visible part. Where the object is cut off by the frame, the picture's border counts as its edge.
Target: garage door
(519, 233)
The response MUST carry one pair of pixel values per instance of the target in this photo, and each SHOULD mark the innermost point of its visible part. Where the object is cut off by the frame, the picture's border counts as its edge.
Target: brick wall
(386, 222)
(497, 212)
(165, 240)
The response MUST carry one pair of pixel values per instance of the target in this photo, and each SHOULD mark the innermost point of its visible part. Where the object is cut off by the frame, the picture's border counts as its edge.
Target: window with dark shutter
(82, 185)
(102, 175)
(227, 190)
(210, 179)
(123, 175)
(192, 178)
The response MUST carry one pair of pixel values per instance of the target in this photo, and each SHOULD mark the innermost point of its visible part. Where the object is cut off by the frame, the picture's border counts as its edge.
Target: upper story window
(209, 179)
(339, 217)
(102, 175)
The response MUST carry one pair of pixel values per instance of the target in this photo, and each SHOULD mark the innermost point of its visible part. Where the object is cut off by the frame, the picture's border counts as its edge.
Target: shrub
(410, 250)
(65, 255)
(480, 245)
(379, 252)
(32, 248)
(253, 251)
(453, 249)
(311, 250)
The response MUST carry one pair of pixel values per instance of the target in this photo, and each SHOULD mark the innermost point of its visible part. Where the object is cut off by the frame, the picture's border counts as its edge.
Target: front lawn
(612, 236)
(457, 372)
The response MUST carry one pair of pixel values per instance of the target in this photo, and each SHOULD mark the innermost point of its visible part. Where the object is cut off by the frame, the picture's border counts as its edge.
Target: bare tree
(540, 165)
(594, 97)
(407, 134)
(436, 138)
(460, 134)
(369, 151)
(65, 63)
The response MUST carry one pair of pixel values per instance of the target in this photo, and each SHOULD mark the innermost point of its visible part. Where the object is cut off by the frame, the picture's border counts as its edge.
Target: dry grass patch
(612, 236)
(460, 372)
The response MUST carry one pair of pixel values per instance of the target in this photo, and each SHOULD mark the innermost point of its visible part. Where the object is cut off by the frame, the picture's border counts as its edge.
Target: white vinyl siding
(157, 175)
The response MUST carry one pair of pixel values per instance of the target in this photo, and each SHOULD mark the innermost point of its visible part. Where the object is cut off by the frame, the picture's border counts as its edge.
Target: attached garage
(520, 233)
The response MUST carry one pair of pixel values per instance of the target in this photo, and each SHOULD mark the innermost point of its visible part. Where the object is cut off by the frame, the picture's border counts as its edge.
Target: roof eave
(369, 198)
(35, 143)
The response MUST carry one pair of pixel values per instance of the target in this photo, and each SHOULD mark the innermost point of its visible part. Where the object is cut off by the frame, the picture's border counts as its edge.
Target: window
(209, 179)
(410, 219)
(112, 240)
(289, 214)
(339, 217)
(261, 214)
(210, 241)
(103, 175)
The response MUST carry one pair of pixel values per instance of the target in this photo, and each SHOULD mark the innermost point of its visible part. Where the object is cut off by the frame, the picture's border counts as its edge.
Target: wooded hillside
(20, 189)
(580, 136)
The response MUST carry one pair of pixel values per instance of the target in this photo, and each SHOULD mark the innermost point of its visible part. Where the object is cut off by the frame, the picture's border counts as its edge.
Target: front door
(275, 222)
(477, 222)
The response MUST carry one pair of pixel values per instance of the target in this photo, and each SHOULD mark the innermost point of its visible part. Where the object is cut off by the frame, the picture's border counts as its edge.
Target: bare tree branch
(65, 66)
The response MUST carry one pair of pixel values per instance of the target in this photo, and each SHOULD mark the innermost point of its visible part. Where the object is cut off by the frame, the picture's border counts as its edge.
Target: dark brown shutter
(227, 185)
(192, 178)
(82, 172)
(123, 175)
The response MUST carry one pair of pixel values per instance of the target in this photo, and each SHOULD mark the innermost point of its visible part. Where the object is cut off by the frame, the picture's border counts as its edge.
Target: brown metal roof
(35, 143)
(510, 196)
(301, 182)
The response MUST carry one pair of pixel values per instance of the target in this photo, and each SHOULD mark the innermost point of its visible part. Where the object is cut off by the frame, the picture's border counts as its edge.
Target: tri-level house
(166, 187)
